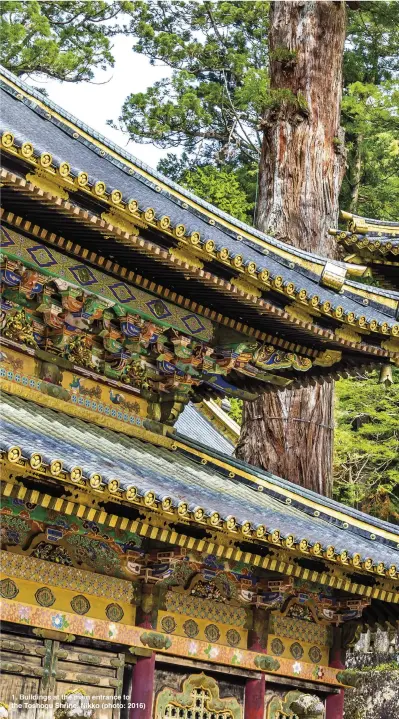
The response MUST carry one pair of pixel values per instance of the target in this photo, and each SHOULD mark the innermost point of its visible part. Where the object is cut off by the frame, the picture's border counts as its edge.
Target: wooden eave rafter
(111, 152)
(257, 305)
(280, 560)
(247, 272)
(346, 366)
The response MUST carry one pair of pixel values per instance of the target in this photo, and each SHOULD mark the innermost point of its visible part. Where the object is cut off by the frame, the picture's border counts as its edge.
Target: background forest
(208, 110)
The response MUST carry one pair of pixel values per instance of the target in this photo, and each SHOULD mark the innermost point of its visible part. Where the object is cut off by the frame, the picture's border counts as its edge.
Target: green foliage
(212, 101)
(236, 409)
(387, 667)
(65, 40)
(366, 467)
(231, 187)
(218, 89)
(221, 187)
(370, 111)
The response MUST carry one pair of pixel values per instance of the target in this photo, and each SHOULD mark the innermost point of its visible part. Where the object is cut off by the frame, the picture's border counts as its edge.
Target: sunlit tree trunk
(301, 168)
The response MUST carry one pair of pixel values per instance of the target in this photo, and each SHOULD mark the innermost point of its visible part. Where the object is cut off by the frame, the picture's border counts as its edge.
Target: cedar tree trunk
(290, 433)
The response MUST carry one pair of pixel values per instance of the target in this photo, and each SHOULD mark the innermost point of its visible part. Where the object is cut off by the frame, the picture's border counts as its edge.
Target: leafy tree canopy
(366, 471)
(210, 104)
(218, 90)
(65, 40)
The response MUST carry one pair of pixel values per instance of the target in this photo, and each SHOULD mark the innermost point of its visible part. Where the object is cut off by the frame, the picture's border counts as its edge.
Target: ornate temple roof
(199, 487)
(72, 182)
(193, 423)
(371, 242)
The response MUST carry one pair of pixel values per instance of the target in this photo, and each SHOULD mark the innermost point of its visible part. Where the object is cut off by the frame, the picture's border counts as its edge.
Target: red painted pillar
(143, 674)
(254, 706)
(254, 699)
(142, 688)
(335, 702)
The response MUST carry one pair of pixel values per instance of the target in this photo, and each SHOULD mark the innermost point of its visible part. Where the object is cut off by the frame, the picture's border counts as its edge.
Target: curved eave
(46, 109)
(185, 484)
(189, 219)
(355, 309)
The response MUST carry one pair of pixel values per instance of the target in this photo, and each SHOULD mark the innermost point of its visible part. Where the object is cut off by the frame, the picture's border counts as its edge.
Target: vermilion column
(143, 675)
(335, 702)
(142, 688)
(254, 702)
(255, 698)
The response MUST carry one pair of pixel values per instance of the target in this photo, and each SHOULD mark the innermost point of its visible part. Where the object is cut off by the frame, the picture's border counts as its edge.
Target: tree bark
(290, 433)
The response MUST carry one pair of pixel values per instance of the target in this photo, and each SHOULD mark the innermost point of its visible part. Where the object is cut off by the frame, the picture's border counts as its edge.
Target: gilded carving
(198, 697)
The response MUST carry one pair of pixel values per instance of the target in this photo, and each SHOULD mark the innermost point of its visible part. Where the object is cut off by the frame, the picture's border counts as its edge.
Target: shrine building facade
(147, 572)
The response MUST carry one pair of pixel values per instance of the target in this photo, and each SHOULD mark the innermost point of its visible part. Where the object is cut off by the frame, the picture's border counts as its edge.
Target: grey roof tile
(135, 462)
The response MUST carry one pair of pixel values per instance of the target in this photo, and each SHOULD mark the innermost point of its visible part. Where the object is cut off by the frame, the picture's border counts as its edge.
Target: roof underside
(371, 242)
(277, 295)
(181, 476)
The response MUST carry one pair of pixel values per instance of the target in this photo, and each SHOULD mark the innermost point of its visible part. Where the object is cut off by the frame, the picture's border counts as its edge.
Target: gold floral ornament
(82, 179)
(302, 295)
(289, 541)
(164, 223)
(27, 149)
(132, 206)
(116, 197)
(46, 159)
(278, 282)
(317, 549)
(149, 498)
(149, 214)
(180, 230)
(231, 523)
(275, 537)
(131, 494)
(64, 169)
(56, 467)
(14, 454)
(264, 276)
(223, 254)
(199, 698)
(195, 238)
(76, 704)
(76, 474)
(215, 519)
(330, 553)
(113, 486)
(167, 504)
(199, 514)
(35, 460)
(182, 509)
(19, 327)
(95, 480)
(246, 528)
(99, 189)
(209, 246)
(251, 268)
(7, 139)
